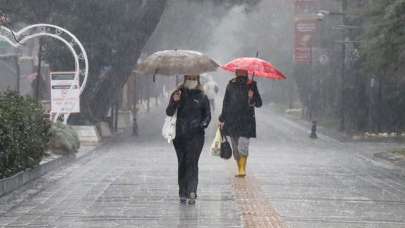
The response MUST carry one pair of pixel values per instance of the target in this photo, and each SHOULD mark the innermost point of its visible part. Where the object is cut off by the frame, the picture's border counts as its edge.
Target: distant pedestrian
(193, 116)
(211, 90)
(238, 116)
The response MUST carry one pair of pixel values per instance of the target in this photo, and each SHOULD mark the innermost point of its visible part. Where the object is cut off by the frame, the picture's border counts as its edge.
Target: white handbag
(169, 128)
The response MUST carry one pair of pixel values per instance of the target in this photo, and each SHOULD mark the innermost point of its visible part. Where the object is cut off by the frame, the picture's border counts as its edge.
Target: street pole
(135, 107)
(39, 77)
(343, 69)
(371, 104)
(18, 73)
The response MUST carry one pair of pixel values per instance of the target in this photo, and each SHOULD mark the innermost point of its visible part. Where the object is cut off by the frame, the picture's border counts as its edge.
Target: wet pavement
(293, 182)
(324, 183)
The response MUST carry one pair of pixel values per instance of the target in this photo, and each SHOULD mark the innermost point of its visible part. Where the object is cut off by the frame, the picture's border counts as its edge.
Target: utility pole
(343, 68)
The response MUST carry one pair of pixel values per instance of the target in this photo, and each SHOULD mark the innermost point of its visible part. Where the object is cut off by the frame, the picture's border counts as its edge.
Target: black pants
(188, 152)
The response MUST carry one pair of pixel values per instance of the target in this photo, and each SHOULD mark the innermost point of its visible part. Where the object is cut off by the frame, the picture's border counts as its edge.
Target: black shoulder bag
(226, 150)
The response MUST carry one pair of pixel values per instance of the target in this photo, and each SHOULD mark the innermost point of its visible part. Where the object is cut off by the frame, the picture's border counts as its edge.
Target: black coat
(237, 114)
(193, 112)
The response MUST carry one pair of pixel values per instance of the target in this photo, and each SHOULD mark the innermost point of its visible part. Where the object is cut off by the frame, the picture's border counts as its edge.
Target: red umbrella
(256, 67)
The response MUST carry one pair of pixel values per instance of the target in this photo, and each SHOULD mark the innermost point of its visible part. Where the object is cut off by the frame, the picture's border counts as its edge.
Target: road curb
(7, 185)
(392, 158)
(10, 184)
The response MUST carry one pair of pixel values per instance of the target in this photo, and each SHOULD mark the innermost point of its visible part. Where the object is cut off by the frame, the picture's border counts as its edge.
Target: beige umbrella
(177, 62)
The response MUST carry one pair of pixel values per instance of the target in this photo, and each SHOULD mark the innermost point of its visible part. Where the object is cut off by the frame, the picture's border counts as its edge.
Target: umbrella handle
(253, 77)
(154, 75)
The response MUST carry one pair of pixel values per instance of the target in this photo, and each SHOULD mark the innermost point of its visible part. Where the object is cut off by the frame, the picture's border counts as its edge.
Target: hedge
(63, 139)
(24, 133)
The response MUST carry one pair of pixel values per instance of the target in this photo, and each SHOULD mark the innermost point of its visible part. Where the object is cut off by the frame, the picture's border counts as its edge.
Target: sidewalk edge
(10, 184)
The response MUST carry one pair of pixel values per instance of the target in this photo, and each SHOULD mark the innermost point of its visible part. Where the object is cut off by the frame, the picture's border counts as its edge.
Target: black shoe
(192, 198)
(183, 199)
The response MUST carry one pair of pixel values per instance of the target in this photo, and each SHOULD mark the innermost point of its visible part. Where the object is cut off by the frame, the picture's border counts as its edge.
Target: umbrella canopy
(174, 62)
(256, 67)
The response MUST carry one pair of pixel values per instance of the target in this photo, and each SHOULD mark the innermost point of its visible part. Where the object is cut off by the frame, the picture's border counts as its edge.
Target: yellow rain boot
(243, 160)
(239, 168)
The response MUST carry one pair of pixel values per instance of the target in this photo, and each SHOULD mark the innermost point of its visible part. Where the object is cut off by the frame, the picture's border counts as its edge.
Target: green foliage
(383, 44)
(63, 139)
(399, 151)
(384, 39)
(23, 133)
(371, 97)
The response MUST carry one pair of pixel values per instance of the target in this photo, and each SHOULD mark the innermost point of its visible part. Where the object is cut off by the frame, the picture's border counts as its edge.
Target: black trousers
(188, 152)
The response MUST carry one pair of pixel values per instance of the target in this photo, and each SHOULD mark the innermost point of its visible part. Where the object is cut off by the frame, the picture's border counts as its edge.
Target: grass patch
(329, 123)
(279, 108)
(399, 151)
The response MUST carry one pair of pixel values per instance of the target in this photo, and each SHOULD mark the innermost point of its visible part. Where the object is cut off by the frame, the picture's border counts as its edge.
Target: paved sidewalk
(126, 184)
(292, 181)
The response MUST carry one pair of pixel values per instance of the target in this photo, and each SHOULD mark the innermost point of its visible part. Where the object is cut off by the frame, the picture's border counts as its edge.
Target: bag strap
(223, 136)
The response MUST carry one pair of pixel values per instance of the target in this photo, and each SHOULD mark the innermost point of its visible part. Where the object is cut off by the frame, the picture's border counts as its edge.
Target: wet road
(293, 182)
(324, 183)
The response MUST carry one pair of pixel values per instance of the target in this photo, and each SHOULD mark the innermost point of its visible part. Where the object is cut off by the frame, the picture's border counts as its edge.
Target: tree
(382, 52)
(384, 39)
(113, 33)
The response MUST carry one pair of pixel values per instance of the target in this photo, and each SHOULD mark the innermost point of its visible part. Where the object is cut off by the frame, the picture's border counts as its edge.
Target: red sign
(305, 29)
(304, 32)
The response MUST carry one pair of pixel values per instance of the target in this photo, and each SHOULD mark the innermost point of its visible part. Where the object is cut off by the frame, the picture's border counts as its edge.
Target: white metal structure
(17, 39)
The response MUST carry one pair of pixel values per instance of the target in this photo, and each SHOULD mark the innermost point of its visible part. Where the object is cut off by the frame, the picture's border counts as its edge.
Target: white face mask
(190, 84)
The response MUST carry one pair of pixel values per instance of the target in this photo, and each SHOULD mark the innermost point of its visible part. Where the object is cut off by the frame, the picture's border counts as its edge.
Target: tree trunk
(98, 97)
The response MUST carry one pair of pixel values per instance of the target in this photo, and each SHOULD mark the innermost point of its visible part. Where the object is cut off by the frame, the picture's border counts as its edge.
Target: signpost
(65, 93)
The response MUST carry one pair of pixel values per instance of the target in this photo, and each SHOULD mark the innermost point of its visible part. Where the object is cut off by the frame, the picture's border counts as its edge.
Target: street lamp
(321, 14)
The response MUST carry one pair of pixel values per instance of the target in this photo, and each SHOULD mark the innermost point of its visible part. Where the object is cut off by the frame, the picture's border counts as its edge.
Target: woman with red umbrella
(242, 96)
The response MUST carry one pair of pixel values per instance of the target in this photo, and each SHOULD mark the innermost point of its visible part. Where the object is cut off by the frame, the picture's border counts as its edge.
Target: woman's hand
(251, 93)
(177, 96)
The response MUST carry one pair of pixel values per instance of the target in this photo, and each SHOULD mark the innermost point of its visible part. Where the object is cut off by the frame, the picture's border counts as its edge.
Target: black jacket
(237, 114)
(193, 112)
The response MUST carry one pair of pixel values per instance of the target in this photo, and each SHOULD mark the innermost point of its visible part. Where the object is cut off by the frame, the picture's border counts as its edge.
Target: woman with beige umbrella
(191, 107)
